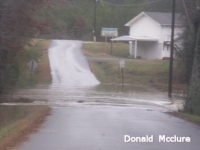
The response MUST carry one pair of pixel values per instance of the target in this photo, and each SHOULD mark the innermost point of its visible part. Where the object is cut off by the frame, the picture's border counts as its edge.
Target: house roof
(160, 17)
(134, 38)
(122, 38)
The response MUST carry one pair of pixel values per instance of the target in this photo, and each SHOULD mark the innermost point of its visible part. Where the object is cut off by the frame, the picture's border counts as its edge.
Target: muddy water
(103, 94)
(106, 95)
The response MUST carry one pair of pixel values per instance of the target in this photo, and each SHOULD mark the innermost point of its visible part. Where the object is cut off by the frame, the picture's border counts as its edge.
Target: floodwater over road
(99, 117)
(103, 94)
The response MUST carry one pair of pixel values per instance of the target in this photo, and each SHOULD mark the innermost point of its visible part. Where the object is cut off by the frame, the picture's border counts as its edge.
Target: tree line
(74, 19)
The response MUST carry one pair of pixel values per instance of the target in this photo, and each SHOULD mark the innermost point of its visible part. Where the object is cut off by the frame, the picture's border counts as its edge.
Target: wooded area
(192, 57)
(74, 19)
(17, 26)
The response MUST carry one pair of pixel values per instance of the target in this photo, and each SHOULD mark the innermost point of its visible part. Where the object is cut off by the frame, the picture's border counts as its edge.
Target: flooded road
(99, 117)
(103, 94)
(80, 126)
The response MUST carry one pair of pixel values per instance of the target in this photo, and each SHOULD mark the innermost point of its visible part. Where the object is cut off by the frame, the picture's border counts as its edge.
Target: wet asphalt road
(92, 127)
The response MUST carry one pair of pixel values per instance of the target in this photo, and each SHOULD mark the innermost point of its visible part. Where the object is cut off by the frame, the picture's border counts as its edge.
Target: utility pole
(171, 51)
(94, 29)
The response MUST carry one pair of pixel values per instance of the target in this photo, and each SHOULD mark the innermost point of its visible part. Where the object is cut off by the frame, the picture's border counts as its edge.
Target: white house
(150, 34)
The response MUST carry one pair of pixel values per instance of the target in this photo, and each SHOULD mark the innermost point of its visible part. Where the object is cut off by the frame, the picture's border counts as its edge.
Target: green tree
(16, 28)
(192, 104)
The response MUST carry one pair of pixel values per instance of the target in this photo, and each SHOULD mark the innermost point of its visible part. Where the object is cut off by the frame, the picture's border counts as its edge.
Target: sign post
(109, 32)
(122, 66)
(32, 65)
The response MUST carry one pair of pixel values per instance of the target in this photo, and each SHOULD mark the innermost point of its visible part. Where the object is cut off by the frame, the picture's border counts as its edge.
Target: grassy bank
(44, 75)
(17, 122)
(39, 52)
(188, 117)
(191, 117)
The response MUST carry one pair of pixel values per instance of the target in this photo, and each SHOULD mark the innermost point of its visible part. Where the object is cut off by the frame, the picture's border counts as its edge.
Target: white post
(130, 47)
(135, 49)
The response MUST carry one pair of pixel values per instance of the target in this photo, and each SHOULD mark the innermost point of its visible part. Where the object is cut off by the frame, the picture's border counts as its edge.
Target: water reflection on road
(103, 94)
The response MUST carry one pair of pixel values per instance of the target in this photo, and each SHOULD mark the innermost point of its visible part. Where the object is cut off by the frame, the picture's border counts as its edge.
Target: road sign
(121, 63)
(109, 32)
(32, 64)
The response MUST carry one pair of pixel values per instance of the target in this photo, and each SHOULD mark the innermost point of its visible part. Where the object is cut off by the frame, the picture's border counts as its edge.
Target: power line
(145, 3)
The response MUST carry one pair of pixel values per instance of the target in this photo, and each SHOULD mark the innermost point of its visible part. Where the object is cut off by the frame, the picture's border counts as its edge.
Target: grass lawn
(136, 71)
(101, 49)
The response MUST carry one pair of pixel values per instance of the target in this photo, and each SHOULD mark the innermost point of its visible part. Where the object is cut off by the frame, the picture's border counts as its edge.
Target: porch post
(135, 49)
(131, 47)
